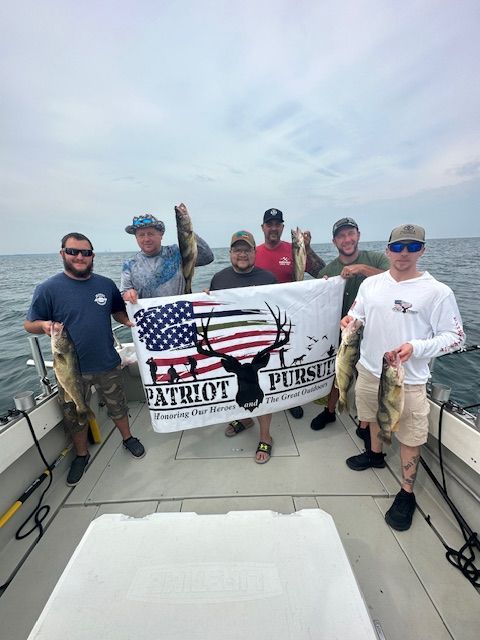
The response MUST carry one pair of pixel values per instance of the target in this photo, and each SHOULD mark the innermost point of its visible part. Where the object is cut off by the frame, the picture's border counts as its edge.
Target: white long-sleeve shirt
(421, 311)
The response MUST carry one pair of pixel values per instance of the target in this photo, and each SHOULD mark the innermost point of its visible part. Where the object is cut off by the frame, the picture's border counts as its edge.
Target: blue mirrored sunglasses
(139, 221)
(412, 247)
(86, 253)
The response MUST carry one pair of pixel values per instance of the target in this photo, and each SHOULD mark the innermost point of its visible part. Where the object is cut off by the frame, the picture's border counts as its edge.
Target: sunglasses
(86, 253)
(139, 221)
(412, 247)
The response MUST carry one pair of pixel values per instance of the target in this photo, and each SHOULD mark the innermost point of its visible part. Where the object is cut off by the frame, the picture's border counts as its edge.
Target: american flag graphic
(171, 332)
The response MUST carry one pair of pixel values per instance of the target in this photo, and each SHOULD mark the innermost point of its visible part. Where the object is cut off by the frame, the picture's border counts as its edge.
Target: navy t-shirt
(85, 308)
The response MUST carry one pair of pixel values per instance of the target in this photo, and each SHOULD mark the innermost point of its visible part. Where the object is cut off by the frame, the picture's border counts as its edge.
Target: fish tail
(385, 436)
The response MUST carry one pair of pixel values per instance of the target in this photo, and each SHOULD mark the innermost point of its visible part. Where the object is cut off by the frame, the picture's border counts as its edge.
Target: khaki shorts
(413, 425)
(109, 385)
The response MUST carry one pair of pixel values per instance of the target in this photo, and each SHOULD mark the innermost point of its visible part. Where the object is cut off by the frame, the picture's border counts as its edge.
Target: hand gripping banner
(237, 353)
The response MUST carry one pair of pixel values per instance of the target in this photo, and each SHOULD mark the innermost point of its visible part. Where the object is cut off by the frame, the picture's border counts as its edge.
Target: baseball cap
(344, 222)
(245, 236)
(272, 214)
(407, 232)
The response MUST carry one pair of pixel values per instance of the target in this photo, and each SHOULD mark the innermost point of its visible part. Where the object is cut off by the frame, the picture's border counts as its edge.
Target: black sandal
(237, 427)
(264, 447)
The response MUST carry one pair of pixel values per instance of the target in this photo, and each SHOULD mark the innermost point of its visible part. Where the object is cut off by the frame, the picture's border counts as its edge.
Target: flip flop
(264, 447)
(236, 426)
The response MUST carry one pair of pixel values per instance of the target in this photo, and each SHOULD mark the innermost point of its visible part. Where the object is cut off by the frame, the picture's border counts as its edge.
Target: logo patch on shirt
(101, 299)
(403, 306)
(285, 261)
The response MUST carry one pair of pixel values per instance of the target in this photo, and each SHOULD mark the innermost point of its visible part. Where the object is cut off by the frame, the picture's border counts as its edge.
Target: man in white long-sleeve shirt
(410, 313)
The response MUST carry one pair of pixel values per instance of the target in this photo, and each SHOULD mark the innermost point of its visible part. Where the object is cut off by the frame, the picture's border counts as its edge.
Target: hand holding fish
(405, 351)
(47, 327)
(307, 239)
(345, 321)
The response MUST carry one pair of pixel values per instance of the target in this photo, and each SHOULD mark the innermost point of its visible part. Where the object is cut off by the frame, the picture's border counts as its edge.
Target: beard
(78, 273)
(349, 252)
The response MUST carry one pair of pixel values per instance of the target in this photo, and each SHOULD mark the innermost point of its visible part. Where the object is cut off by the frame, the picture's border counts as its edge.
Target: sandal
(236, 426)
(264, 447)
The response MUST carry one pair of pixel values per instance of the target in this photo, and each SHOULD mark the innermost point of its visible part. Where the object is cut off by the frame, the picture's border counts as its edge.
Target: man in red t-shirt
(275, 256)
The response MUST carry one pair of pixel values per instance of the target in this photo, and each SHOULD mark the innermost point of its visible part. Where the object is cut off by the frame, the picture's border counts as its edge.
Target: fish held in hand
(187, 243)
(67, 371)
(299, 254)
(391, 395)
(347, 357)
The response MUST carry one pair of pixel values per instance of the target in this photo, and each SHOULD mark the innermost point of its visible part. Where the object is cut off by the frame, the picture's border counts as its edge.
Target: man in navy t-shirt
(84, 303)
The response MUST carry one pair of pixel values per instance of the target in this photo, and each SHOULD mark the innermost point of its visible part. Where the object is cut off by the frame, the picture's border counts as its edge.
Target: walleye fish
(67, 372)
(391, 395)
(299, 254)
(347, 357)
(187, 244)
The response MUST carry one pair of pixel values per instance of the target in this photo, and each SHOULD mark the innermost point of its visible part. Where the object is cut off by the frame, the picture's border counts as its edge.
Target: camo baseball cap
(272, 214)
(407, 232)
(141, 222)
(245, 236)
(344, 222)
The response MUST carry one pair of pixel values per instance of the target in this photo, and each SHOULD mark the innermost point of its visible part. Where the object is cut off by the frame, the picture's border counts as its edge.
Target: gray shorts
(413, 425)
(109, 386)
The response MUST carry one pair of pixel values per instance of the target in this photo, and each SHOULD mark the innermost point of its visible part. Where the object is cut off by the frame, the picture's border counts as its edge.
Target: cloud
(316, 108)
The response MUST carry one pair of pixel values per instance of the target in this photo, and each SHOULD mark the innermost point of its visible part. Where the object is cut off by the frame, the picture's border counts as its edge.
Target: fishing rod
(20, 501)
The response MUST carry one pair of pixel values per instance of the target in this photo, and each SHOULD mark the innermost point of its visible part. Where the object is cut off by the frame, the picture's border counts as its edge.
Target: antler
(210, 351)
(277, 342)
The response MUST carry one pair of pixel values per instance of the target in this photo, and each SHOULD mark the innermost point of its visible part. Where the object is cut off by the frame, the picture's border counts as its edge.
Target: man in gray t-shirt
(244, 273)
(354, 266)
(156, 270)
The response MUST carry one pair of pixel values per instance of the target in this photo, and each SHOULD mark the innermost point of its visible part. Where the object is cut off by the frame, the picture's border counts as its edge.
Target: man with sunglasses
(156, 270)
(84, 302)
(409, 313)
(354, 265)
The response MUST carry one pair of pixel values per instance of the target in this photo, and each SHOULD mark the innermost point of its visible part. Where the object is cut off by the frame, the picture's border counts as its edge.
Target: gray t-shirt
(230, 279)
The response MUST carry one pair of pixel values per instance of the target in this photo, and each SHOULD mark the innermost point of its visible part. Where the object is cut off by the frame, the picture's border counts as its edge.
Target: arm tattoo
(314, 263)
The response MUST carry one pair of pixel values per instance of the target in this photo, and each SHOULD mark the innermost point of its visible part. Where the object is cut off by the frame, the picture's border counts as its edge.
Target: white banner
(236, 353)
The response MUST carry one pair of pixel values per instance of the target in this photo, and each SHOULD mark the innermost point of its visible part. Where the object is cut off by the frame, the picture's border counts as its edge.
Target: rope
(464, 558)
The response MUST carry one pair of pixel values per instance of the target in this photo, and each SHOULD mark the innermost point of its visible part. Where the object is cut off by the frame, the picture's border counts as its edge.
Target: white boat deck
(408, 586)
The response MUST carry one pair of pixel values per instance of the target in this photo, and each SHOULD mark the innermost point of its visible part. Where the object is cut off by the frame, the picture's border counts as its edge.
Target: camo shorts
(109, 386)
(413, 425)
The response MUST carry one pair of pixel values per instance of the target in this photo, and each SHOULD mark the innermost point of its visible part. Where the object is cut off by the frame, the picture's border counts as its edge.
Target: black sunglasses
(86, 253)
(412, 247)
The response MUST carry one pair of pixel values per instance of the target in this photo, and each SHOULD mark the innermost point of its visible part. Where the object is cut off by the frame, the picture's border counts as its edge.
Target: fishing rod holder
(40, 365)
(24, 400)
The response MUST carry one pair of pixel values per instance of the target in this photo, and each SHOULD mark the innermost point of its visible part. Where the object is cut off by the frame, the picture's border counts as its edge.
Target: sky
(111, 109)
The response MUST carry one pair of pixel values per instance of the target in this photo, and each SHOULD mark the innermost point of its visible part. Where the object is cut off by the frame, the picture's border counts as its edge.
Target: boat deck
(409, 587)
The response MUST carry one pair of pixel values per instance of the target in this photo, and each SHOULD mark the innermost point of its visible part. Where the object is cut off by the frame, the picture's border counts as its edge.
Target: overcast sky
(109, 109)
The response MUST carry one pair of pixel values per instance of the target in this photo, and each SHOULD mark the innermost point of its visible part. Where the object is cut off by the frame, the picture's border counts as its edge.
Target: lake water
(453, 261)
